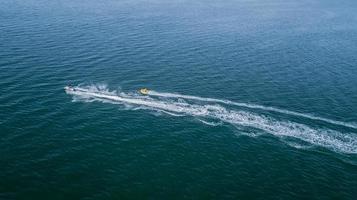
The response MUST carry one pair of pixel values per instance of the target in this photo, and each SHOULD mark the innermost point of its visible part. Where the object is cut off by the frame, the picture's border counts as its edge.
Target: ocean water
(248, 99)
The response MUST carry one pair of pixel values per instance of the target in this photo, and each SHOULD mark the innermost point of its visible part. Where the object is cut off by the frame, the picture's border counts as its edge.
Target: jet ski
(144, 91)
(69, 88)
(72, 89)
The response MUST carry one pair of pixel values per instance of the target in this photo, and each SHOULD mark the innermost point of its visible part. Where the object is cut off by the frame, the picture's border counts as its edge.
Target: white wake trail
(333, 140)
(253, 106)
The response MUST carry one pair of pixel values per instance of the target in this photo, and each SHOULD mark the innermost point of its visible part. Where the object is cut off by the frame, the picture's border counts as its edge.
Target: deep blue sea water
(248, 99)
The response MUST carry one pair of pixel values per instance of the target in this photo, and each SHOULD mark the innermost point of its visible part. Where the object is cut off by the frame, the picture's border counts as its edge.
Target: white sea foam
(210, 123)
(328, 138)
(170, 113)
(254, 106)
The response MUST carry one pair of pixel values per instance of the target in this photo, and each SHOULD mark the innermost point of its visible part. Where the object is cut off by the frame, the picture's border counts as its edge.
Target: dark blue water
(248, 99)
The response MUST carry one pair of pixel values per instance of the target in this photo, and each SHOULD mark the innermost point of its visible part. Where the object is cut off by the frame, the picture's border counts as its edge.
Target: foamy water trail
(254, 106)
(328, 138)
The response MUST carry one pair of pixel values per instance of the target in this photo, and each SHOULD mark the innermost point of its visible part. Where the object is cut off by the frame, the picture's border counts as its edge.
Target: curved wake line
(331, 139)
(253, 106)
(209, 123)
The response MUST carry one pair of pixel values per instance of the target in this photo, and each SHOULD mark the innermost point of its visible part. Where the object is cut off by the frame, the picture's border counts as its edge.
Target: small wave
(171, 113)
(210, 123)
(328, 138)
(298, 146)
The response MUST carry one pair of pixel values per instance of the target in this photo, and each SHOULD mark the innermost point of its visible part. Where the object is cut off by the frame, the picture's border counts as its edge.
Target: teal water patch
(253, 99)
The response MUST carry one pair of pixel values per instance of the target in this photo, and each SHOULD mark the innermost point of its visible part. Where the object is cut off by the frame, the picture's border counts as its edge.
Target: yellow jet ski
(144, 91)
